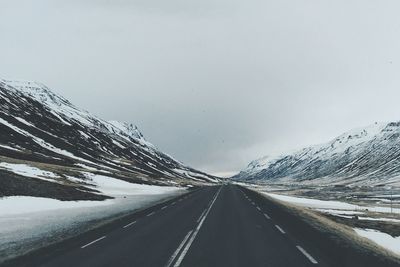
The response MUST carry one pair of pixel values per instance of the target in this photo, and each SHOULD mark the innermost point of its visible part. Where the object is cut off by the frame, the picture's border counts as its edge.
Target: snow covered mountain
(40, 130)
(365, 156)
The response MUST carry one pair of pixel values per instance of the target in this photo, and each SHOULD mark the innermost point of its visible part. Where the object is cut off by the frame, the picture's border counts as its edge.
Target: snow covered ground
(329, 206)
(28, 221)
(384, 240)
(24, 205)
(116, 187)
(28, 171)
(347, 210)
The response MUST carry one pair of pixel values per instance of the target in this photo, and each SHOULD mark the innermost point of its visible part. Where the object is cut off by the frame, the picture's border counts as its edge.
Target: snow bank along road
(215, 226)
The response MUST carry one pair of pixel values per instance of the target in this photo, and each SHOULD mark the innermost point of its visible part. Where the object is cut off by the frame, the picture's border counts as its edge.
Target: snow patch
(384, 240)
(330, 204)
(23, 204)
(313, 203)
(28, 171)
(10, 148)
(114, 187)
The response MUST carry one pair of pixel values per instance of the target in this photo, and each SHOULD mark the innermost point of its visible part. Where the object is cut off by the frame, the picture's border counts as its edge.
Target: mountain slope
(365, 156)
(40, 129)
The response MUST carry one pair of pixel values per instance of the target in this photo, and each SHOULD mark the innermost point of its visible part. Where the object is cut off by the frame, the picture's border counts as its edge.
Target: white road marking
(259, 208)
(305, 253)
(148, 215)
(132, 223)
(171, 260)
(196, 231)
(280, 229)
(173, 203)
(91, 243)
(201, 216)
(163, 208)
(266, 216)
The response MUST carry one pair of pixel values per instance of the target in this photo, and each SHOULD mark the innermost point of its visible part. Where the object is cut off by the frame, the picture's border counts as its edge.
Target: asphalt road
(214, 226)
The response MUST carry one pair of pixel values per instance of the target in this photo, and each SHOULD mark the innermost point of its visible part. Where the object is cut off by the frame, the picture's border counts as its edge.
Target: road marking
(173, 203)
(126, 226)
(201, 216)
(91, 243)
(171, 260)
(280, 229)
(307, 255)
(148, 215)
(163, 208)
(266, 216)
(259, 208)
(196, 231)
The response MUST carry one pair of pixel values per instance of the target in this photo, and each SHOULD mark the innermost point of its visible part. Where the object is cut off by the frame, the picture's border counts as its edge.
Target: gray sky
(215, 83)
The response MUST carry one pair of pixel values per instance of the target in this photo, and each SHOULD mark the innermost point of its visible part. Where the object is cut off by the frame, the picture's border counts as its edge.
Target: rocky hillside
(49, 147)
(368, 156)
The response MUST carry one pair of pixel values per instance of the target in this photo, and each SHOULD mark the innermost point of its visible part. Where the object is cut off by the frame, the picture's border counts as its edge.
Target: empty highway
(218, 226)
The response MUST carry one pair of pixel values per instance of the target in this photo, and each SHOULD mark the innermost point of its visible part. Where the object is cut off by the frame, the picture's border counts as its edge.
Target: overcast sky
(215, 83)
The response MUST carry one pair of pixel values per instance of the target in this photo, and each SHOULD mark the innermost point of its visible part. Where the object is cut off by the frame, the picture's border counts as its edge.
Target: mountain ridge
(41, 128)
(362, 156)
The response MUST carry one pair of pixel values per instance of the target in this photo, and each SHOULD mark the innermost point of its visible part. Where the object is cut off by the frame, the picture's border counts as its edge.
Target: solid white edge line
(266, 216)
(186, 248)
(148, 215)
(163, 208)
(305, 253)
(171, 260)
(280, 229)
(91, 243)
(129, 224)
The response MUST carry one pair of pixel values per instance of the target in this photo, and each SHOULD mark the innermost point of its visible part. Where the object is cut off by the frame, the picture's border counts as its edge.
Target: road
(214, 226)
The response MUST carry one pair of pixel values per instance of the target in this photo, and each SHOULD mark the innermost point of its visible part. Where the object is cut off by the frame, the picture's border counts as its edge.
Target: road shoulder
(330, 240)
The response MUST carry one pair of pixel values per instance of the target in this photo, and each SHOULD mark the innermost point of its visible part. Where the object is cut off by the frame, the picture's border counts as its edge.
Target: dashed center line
(129, 224)
(280, 229)
(91, 243)
(186, 243)
(305, 253)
